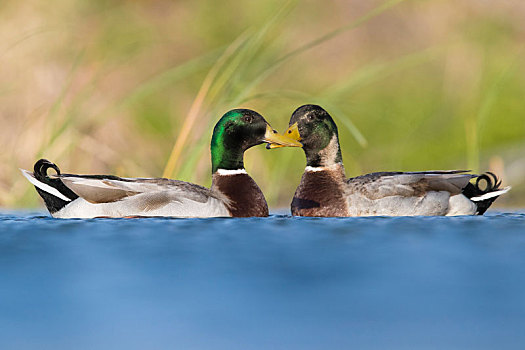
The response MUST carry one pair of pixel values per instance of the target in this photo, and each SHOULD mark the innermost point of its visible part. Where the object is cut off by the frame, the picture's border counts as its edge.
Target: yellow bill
(292, 133)
(272, 137)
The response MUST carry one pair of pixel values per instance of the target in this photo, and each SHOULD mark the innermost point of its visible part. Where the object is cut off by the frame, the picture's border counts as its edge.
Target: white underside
(461, 205)
(134, 206)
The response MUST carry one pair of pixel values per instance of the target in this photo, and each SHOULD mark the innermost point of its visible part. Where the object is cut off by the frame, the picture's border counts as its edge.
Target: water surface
(270, 283)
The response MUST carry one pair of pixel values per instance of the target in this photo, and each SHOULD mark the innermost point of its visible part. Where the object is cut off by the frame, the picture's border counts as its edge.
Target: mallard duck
(325, 191)
(233, 192)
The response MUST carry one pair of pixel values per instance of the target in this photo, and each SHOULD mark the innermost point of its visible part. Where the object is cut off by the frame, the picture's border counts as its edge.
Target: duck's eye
(247, 118)
(310, 117)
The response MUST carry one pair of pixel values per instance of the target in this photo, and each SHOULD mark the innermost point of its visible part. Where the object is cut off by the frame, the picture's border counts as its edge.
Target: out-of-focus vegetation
(119, 86)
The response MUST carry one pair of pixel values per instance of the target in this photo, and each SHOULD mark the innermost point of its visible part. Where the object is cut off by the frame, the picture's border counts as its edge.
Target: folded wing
(105, 189)
(409, 184)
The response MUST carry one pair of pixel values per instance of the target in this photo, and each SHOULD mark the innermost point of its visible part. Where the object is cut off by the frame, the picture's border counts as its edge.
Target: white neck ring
(322, 168)
(231, 171)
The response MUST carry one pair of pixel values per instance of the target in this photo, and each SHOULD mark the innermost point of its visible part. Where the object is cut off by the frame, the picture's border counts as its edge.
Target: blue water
(271, 283)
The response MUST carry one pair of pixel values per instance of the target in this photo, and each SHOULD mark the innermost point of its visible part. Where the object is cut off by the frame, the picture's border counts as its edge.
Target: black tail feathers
(481, 195)
(53, 203)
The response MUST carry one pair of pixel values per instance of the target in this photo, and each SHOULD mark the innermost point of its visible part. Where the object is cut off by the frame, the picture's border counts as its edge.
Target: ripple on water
(259, 283)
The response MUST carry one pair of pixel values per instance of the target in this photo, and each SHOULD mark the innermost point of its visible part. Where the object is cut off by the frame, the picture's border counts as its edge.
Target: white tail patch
(490, 194)
(44, 187)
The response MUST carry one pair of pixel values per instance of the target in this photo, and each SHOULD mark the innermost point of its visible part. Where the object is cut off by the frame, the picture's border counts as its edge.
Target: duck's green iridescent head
(237, 131)
(317, 132)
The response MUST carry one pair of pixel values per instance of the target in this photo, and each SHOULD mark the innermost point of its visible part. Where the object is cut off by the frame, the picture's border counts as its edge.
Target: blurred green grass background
(120, 86)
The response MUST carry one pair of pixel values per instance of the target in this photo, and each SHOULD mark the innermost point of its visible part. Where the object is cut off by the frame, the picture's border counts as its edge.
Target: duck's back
(118, 197)
(404, 194)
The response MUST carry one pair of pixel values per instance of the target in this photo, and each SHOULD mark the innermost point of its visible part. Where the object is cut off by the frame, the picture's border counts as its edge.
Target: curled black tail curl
(485, 195)
(40, 170)
(492, 182)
